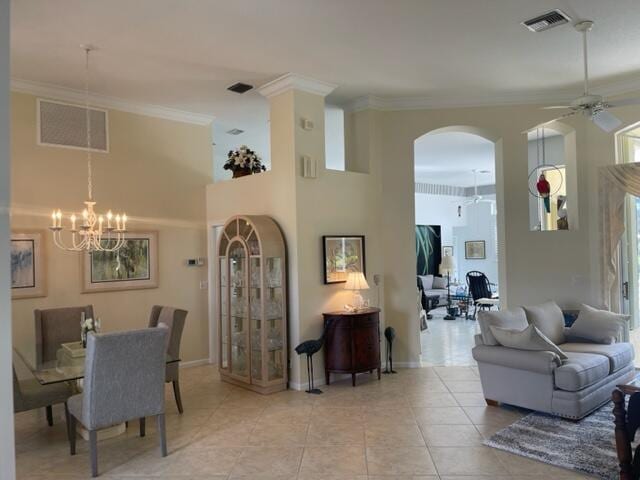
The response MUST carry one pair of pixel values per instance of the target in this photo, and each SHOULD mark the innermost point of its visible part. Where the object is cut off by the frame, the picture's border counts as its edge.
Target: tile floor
(421, 424)
(448, 342)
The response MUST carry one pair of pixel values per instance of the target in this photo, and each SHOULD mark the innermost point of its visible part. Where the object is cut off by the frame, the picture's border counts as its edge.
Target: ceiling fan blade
(549, 122)
(624, 102)
(606, 120)
(556, 107)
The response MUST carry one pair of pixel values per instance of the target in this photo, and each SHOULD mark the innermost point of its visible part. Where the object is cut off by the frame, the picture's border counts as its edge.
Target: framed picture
(132, 267)
(447, 251)
(28, 278)
(428, 249)
(474, 250)
(342, 254)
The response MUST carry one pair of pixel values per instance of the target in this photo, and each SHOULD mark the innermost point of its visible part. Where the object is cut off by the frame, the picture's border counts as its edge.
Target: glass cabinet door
(274, 315)
(239, 309)
(224, 314)
(255, 302)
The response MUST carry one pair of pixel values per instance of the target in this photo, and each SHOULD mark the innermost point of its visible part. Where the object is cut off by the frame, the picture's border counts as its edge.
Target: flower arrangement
(88, 325)
(243, 161)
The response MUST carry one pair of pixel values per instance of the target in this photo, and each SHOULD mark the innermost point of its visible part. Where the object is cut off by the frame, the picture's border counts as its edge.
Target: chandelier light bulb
(73, 222)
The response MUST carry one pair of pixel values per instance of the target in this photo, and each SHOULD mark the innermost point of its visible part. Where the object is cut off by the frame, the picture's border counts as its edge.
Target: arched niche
(552, 178)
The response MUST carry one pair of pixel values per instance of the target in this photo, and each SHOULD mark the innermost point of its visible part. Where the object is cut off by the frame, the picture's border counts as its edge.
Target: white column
(7, 442)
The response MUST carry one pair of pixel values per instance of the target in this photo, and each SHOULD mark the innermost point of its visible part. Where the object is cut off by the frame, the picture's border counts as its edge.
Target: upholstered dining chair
(30, 395)
(124, 380)
(173, 319)
(55, 326)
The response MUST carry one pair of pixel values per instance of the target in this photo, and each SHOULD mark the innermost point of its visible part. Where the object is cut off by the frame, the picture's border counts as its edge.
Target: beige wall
(157, 171)
(535, 266)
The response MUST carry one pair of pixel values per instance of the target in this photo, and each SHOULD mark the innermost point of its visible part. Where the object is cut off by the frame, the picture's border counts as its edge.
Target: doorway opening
(456, 233)
(628, 151)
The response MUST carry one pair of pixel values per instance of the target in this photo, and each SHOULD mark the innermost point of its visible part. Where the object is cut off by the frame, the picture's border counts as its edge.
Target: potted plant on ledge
(243, 161)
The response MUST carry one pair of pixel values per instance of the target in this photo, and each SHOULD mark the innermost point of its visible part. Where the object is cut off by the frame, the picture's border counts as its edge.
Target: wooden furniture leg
(49, 410)
(176, 393)
(353, 379)
(143, 423)
(492, 403)
(623, 444)
(328, 377)
(163, 435)
(72, 434)
(93, 451)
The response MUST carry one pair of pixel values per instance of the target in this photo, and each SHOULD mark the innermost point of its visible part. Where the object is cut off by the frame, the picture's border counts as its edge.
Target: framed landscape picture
(474, 250)
(342, 255)
(132, 267)
(28, 277)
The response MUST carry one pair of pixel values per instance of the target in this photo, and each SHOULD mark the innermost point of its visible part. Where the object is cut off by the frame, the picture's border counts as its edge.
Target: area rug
(587, 446)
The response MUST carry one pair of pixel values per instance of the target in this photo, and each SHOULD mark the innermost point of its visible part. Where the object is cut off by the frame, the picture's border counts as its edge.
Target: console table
(352, 343)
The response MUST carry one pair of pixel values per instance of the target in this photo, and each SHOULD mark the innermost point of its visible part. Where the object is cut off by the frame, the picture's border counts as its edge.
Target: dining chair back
(124, 380)
(55, 326)
(173, 319)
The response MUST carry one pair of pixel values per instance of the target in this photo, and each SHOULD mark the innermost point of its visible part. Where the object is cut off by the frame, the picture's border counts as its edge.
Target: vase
(241, 173)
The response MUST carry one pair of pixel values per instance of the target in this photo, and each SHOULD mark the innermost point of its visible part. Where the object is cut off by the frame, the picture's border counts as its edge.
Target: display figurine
(544, 189)
(390, 335)
(310, 347)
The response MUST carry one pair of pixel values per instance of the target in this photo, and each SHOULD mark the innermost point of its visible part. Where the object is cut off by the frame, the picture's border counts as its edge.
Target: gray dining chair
(30, 395)
(174, 320)
(124, 380)
(55, 326)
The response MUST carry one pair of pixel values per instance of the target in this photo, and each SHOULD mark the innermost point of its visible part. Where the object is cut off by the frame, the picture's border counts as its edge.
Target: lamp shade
(356, 281)
(447, 265)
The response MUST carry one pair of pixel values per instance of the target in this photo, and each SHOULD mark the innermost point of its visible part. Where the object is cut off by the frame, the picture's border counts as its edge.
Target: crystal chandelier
(93, 232)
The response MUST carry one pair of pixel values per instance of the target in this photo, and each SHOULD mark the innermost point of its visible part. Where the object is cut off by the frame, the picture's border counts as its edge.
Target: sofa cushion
(514, 319)
(600, 326)
(548, 318)
(427, 281)
(439, 283)
(619, 354)
(528, 339)
(581, 370)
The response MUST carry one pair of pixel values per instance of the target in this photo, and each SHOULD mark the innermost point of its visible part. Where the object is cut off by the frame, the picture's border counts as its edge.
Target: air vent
(235, 131)
(65, 125)
(548, 20)
(240, 87)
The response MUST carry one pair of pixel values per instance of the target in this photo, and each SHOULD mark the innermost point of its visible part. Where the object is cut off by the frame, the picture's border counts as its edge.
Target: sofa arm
(529, 360)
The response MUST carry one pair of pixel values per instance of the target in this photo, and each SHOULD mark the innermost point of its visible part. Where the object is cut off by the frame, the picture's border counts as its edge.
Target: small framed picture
(474, 250)
(447, 251)
(132, 267)
(342, 254)
(28, 278)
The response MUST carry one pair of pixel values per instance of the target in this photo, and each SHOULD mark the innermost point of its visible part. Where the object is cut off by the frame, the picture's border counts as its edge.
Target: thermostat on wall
(195, 262)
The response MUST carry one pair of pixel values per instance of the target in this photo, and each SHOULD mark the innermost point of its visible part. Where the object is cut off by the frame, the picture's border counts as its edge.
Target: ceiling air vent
(240, 87)
(65, 125)
(235, 131)
(548, 20)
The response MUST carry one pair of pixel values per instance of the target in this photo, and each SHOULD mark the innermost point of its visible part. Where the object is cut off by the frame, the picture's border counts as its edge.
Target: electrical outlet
(203, 284)
(377, 279)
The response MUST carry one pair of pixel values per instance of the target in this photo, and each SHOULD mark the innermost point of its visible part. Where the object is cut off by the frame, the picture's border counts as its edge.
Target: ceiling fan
(475, 199)
(595, 107)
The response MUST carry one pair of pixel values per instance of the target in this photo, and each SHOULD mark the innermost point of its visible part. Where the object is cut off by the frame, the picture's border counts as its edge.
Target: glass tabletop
(67, 366)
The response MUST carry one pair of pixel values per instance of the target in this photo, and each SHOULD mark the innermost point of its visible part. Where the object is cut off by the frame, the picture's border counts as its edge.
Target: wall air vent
(240, 87)
(65, 125)
(235, 131)
(548, 20)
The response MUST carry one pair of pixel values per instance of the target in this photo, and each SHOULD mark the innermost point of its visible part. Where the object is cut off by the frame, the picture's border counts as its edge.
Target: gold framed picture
(475, 250)
(132, 267)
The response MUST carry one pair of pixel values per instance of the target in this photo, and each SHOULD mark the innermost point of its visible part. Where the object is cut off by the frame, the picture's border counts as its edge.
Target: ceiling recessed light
(235, 131)
(240, 87)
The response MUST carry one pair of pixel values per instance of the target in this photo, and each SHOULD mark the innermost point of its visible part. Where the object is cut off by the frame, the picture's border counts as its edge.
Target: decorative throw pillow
(599, 326)
(427, 281)
(528, 339)
(548, 318)
(439, 283)
(514, 319)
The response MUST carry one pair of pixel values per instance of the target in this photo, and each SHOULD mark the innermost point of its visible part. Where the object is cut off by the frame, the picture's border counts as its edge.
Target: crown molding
(373, 102)
(293, 81)
(56, 92)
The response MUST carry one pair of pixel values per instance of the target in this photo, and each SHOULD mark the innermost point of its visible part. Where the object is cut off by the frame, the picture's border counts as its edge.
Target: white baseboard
(194, 363)
(407, 364)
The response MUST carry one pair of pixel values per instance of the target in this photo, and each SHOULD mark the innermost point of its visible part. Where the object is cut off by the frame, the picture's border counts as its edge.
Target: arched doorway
(456, 216)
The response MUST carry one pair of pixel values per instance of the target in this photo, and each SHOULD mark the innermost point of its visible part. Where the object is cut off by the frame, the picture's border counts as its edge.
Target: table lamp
(356, 281)
(448, 266)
